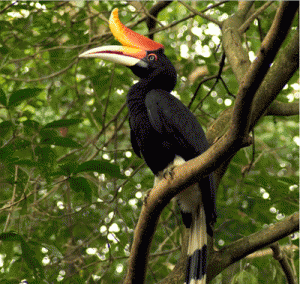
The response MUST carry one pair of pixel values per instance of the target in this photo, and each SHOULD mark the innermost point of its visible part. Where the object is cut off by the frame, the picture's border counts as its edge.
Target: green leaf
(32, 262)
(80, 184)
(49, 133)
(31, 123)
(6, 152)
(61, 141)
(10, 236)
(20, 144)
(63, 123)
(68, 168)
(5, 126)
(100, 82)
(26, 162)
(11, 148)
(46, 160)
(245, 277)
(17, 97)
(3, 99)
(14, 270)
(102, 167)
(53, 250)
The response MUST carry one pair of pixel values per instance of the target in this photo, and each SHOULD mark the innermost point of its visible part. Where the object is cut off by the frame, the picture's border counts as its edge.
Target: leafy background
(71, 186)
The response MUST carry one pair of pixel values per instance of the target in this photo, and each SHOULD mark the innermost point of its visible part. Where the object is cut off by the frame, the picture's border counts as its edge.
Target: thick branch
(244, 8)
(232, 44)
(279, 74)
(283, 68)
(283, 109)
(239, 249)
(258, 69)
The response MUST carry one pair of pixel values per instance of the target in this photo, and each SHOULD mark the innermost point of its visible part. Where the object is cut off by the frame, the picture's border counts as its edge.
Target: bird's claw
(145, 196)
(169, 172)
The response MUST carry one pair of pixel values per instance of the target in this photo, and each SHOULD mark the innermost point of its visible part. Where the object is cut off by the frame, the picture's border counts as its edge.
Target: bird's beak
(134, 46)
(128, 56)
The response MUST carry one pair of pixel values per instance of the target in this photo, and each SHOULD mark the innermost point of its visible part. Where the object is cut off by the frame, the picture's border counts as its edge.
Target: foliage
(71, 186)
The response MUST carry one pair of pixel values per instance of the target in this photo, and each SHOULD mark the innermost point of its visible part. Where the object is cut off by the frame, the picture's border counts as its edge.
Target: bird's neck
(136, 97)
(158, 80)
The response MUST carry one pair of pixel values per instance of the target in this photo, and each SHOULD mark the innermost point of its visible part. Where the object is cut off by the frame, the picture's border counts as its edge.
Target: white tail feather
(197, 250)
(190, 201)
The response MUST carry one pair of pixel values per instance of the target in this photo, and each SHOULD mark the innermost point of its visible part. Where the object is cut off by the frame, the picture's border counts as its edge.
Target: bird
(164, 133)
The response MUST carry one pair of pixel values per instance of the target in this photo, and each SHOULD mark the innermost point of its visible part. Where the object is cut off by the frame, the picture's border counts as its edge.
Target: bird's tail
(197, 250)
(193, 216)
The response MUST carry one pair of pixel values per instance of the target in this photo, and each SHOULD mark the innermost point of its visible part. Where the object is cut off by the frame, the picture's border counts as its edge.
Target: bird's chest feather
(144, 131)
(152, 145)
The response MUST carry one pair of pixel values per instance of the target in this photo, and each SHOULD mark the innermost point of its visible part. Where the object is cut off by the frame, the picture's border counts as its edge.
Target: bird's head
(141, 54)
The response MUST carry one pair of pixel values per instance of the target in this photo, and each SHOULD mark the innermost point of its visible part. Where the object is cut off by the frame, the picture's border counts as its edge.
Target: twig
(218, 76)
(41, 78)
(185, 18)
(152, 15)
(7, 7)
(209, 18)
(279, 255)
(108, 96)
(96, 137)
(198, 87)
(12, 199)
(247, 23)
(247, 245)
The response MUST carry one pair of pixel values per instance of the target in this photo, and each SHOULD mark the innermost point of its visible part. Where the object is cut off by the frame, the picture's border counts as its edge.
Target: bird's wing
(134, 143)
(169, 116)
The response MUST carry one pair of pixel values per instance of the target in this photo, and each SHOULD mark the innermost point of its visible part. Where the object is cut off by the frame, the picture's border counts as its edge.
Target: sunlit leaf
(102, 167)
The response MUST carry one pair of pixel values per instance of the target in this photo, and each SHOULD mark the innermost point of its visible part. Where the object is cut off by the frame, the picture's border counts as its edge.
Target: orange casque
(130, 39)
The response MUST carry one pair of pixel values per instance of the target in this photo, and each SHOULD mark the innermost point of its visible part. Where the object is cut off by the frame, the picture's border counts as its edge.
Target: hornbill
(164, 132)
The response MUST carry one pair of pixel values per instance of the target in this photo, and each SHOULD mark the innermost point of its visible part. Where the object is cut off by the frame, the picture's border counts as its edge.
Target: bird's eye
(152, 57)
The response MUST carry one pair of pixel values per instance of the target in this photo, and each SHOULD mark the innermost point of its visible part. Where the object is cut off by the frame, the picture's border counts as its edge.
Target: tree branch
(209, 18)
(7, 7)
(41, 78)
(242, 247)
(279, 74)
(195, 169)
(283, 109)
(283, 68)
(153, 11)
(237, 56)
(260, 66)
(279, 255)
(247, 23)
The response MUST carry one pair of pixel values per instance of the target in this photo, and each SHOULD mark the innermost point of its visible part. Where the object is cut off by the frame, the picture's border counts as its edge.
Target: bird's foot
(145, 196)
(169, 172)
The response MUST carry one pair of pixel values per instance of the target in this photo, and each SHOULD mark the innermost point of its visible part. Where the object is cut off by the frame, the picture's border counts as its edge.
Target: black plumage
(164, 133)
(163, 127)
